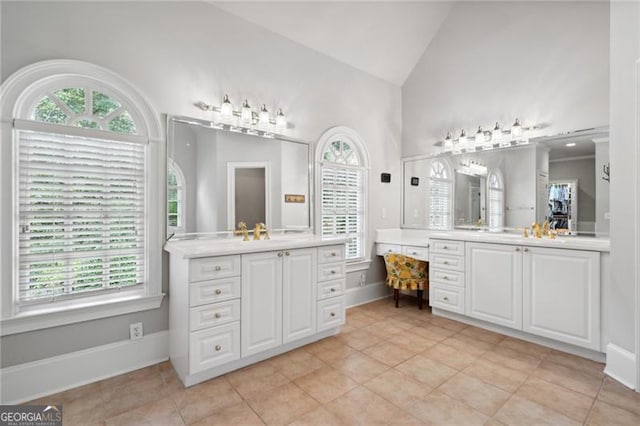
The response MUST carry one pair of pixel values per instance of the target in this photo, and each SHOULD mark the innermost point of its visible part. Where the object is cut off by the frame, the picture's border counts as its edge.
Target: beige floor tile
(432, 332)
(238, 414)
(382, 329)
(569, 378)
(496, 374)
(398, 388)
(513, 359)
(412, 342)
(332, 342)
(525, 347)
(389, 353)
(426, 370)
(440, 409)
(205, 398)
(133, 394)
(468, 345)
(617, 394)
(256, 379)
(296, 363)
(447, 323)
(520, 412)
(282, 405)
(608, 415)
(581, 364)
(158, 412)
(326, 384)
(129, 378)
(571, 404)
(319, 417)
(359, 339)
(360, 367)
(475, 393)
(363, 407)
(482, 334)
(331, 355)
(448, 355)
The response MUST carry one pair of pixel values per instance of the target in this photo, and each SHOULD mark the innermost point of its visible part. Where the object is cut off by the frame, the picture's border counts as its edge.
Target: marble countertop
(418, 237)
(229, 246)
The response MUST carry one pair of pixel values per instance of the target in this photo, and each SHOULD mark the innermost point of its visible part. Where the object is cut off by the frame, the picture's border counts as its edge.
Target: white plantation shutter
(440, 196)
(342, 205)
(81, 212)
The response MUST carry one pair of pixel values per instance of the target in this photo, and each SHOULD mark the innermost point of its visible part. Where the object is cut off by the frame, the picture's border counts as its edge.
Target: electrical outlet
(363, 279)
(135, 331)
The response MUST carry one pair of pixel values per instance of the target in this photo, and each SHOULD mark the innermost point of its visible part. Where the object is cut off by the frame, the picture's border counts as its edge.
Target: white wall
(623, 145)
(544, 62)
(181, 53)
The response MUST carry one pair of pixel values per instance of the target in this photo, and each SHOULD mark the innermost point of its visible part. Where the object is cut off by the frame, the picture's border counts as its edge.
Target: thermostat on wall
(385, 177)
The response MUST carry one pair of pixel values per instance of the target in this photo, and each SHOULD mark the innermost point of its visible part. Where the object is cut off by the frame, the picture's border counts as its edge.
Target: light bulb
(462, 141)
(226, 109)
(480, 138)
(516, 130)
(447, 146)
(496, 135)
(263, 118)
(281, 120)
(246, 115)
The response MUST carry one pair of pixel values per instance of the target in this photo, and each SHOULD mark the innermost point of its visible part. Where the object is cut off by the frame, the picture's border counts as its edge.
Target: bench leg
(396, 295)
(420, 299)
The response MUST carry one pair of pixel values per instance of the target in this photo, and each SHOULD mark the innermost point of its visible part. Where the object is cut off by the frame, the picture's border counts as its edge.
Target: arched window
(175, 198)
(85, 215)
(495, 191)
(440, 195)
(342, 177)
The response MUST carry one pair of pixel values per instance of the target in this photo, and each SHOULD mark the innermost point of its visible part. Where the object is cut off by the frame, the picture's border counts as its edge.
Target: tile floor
(388, 366)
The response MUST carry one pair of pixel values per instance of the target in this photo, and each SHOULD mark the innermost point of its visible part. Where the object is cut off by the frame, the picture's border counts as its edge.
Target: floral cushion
(406, 273)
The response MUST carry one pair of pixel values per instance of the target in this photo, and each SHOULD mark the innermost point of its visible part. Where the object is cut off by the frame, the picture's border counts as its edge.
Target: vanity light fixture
(448, 142)
(462, 142)
(496, 134)
(480, 137)
(516, 130)
(570, 144)
(497, 138)
(246, 120)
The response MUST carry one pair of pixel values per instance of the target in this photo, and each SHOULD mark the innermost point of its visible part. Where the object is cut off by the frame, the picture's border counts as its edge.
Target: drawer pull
(414, 252)
(446, 262)
(445, 277)
(334, 254)
(218, 291)
(333, 290)
(333, 314)
(333, 271)
(287, 253)
(218, 348)
(217, 315)
(218, 268)
(526, 250)
(279, 254)
(517, 249)
(445, 247)
(445, 298)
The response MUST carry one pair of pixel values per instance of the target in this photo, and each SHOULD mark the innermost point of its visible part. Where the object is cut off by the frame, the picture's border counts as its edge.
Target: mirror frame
(171, 120)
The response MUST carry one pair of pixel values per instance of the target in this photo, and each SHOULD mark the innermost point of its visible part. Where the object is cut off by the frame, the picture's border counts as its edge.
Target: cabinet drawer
(447, 298)
(213, 291)
(421, 253)
(213, 347)
(331, 271)
(441, 261)
(215, 314)
(330, 313)
(381, 249)
(455, 248)
(331, 253)
(209, 268)
(330, 289)
(447, 277)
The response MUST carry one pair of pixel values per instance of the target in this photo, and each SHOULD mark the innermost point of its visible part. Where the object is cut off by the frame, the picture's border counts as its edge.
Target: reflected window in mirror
(440, 195)
(495, 190)
(175, 198)
(343, 189)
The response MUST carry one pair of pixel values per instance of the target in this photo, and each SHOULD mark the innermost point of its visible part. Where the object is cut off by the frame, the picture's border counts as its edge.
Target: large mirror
(562, 178)
(217, 178)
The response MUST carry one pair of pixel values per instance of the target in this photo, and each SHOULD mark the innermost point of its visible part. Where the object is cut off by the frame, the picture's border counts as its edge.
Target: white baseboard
(621, 365)
(32, 380)
(360, 295)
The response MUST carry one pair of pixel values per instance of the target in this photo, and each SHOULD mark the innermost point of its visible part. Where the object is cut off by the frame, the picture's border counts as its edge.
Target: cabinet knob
(280, 254)
(445, 298)
(333, 289)
(333, 314)
(446, 262)
(334, 254)
(217, 315)
(218, 348)
(517, 249)
(414, 252)
(446, 277)
(218, 291)
(445, 247)
(526, 250)
(218, 268)
(333, 271)
(287, 253)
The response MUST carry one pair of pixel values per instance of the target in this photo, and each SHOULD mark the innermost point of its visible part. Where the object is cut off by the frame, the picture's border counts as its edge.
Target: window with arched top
(440, 195)
(495, 191)
(342, 193)
(175, 198)
(85, 218)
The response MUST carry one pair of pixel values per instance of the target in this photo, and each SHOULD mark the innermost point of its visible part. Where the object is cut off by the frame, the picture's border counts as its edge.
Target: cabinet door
(562, 295)
(494, 283)
(261, 313)
(299, 294)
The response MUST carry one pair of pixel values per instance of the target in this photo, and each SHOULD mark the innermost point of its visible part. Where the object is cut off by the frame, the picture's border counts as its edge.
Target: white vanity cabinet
(554, 293)
(227, 311)
(446, 275)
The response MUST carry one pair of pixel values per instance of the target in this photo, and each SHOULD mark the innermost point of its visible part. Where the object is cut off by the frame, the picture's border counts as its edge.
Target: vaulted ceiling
(384, 39)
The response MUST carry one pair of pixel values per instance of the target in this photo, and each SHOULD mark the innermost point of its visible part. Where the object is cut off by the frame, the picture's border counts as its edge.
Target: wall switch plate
(607, 216)
(135, 331)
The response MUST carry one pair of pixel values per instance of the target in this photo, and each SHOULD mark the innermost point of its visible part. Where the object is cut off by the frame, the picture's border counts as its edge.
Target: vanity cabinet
(446, 275)
(554, 293)
(229, 311)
